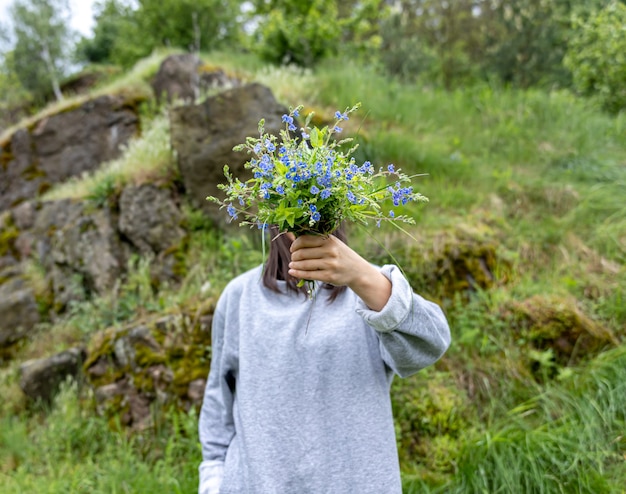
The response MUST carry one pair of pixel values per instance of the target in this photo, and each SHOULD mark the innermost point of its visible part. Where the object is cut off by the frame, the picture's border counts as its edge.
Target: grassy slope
(545, 174)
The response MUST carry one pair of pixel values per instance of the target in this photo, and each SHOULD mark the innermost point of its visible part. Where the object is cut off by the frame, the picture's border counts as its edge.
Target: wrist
(372, 287)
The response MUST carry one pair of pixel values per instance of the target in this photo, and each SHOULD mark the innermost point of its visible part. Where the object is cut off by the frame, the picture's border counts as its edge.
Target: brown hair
(277, 265)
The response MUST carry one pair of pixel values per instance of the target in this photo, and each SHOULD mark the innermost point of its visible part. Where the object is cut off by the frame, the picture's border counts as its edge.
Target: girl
(297, 400)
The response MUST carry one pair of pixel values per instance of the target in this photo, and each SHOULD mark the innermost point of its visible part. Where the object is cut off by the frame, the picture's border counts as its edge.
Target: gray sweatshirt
(297, 400)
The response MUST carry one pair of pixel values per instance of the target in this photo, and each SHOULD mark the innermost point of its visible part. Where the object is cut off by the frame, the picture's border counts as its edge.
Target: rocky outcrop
(150, 219)
(184, 77)
(165, 361)
(63, 145)
(40, 379)
(83, 250)
(204, 136)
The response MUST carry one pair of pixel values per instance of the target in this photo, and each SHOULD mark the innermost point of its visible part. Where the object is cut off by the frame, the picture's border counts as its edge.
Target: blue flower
(325, 194)
(341, 116)
(316, 216)
(305, 135)
(351, 197)
(337, 129)
(231, 211)
(391, 169)
(312, 207)
(287, 119)
(392, 214)
(296, 113)
(269, 145)
(280, 189)
(257, 148)
(314, 190)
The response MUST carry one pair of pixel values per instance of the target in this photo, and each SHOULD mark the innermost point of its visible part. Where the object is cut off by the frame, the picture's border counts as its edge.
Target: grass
(542, 175)
(75, 452)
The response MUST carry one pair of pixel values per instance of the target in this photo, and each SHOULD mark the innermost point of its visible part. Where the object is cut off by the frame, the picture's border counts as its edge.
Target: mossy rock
(208, 68)
(458, 262)
(162, 362)
(558, 325)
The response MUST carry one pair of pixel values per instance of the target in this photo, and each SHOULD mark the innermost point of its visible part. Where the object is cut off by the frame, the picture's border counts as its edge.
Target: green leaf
(317, 138)
(284, 214)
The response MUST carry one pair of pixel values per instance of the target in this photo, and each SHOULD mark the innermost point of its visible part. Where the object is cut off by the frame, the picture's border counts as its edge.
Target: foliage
(124, 35)
(42, 37)
(109, 15)
(596, 56)
(436, 41)
(12, 94)
(294, 32)
(310, 185)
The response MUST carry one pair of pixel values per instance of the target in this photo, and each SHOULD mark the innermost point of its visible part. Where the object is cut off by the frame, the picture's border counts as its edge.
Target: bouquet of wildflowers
(306, 183)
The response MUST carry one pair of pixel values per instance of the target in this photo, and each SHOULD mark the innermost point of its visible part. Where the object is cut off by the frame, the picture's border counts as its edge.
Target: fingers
(311, 253)
(322, 276)
(312, 265)
(308, 241)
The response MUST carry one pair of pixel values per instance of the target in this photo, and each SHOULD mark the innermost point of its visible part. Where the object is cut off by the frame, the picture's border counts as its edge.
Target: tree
(42, 38)
(597, 56)
(295, 32)
(441, 40)
(109, 16)
(124, 33)
(526, 40)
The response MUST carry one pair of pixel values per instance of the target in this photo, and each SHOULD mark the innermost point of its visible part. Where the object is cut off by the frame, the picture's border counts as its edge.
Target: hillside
(118, 264)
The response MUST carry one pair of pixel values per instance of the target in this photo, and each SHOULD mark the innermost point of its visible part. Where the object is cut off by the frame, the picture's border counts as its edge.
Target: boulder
(63, 145)
(184, 77)
(555, 324)
(178, 78)
(457, 262)
(40, 379)
(204, 135)
(150, 218)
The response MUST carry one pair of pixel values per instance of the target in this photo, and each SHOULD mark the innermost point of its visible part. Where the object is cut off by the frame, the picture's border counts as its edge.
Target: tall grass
(568, 439)
(75, 452)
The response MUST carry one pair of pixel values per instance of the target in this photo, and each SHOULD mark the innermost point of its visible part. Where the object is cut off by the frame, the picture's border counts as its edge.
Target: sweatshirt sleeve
(413, 332)
(216, 428)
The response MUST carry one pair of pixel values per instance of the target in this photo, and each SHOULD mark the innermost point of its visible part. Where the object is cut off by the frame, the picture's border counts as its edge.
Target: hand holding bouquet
(306, 183)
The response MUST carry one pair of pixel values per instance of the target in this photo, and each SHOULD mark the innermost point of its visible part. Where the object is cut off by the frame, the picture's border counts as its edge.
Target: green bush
(300, 33)
(597, 57)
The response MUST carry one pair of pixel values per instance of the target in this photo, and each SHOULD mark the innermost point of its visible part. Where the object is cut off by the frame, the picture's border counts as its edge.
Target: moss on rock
(556, 325)
(152, 362)
(8, 235)
(458, 262)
